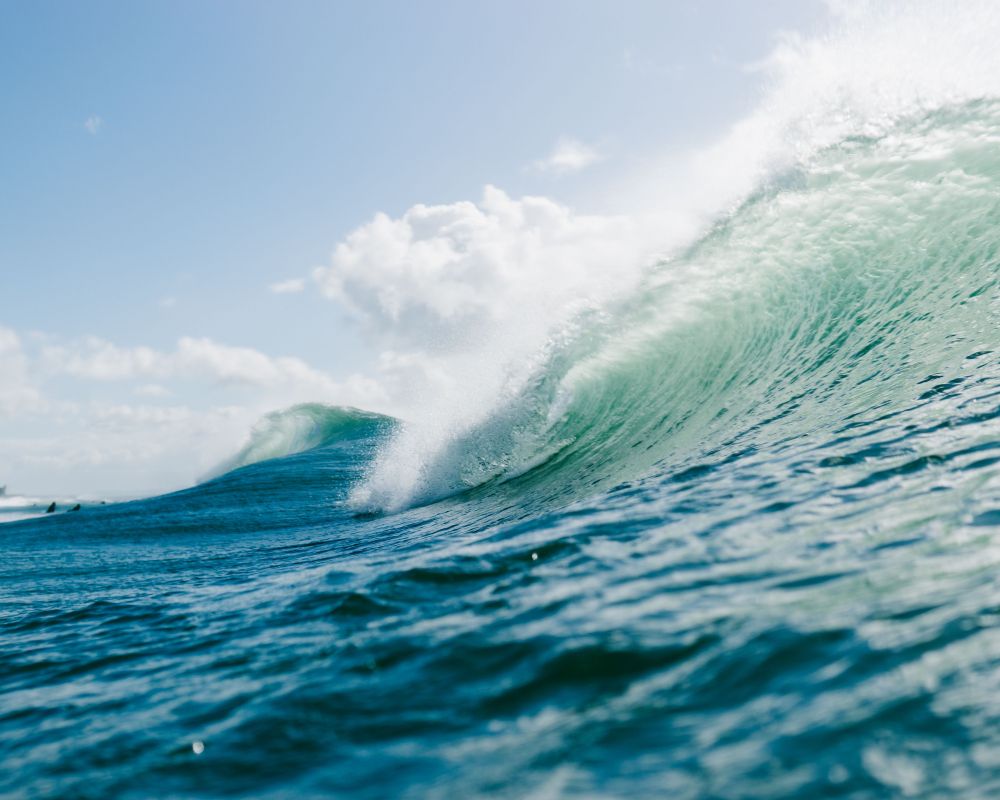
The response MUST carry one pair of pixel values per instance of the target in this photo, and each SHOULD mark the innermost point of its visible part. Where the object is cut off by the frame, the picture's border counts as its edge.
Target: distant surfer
(52, 507)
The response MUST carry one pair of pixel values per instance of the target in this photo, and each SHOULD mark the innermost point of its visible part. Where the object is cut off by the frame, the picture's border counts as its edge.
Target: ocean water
(736, 536)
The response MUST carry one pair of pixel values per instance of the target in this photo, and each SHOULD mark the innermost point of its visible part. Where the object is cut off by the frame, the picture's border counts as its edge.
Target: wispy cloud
(96, 359)
(93, 124)
(152, 390)
(219, 391)
(17, 392)
(568, 155)
(291, 286)
(639, 63)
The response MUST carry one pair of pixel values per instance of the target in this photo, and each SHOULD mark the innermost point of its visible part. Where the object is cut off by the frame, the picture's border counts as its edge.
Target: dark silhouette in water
(76, 507)
(52, 507)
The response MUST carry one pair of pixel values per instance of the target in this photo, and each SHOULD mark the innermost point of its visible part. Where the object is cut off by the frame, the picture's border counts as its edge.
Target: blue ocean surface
(736, 539)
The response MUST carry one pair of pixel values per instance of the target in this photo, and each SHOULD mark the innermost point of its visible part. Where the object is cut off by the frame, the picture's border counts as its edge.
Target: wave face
(830, 292)
(733, 533)
(298, 429)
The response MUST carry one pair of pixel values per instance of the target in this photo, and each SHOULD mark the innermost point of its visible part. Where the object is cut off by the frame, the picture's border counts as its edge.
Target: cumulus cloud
(568, 155)
(438, 274)
(93, 124)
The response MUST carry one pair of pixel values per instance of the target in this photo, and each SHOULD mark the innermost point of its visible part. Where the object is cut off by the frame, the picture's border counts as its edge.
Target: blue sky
(164, 164)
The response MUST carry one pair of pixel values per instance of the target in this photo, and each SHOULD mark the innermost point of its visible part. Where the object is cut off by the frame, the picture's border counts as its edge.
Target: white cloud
(152, 390)
(96, 359)
(135, 448)
(127, 450)
(93, 124)
(439, 274)
(291, 286)
(568, 155)
(227, 364)
(198, 359)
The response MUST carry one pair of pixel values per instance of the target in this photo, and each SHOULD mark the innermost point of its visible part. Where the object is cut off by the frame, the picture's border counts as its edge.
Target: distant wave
(298, 429)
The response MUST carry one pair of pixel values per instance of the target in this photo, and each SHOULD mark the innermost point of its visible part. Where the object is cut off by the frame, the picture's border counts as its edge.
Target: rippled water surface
(753, 552)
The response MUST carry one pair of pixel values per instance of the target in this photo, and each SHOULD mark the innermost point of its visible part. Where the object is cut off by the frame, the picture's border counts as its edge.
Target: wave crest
(299, 429)
(821, 296)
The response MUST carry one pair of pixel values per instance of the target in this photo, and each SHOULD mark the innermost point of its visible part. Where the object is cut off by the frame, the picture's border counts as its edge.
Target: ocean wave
(821, 294)
(298, 429)
(847, 215)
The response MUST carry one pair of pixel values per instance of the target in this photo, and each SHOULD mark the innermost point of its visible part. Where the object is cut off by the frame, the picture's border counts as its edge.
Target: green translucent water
(738, 538)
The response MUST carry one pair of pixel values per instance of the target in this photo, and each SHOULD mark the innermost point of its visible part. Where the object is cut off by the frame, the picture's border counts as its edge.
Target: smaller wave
(298, 429)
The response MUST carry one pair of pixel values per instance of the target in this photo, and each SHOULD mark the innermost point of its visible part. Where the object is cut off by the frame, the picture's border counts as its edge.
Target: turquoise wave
(831, 292)
(735, 538)
(302, 428)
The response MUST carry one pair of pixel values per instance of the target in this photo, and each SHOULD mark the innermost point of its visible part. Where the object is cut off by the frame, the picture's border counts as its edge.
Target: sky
(212, 210)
